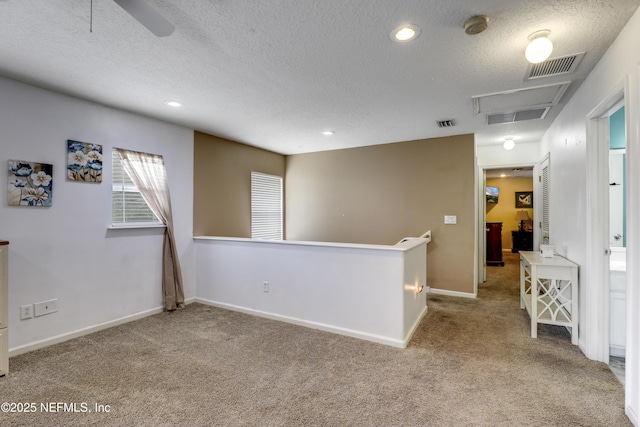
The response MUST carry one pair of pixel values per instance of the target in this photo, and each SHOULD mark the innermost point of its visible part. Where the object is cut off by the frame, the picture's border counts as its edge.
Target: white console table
(549, 291)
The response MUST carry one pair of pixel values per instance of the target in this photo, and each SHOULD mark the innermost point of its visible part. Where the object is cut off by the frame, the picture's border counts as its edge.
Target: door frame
(596, 280)
(595, 340)
(482, 214)
(632, 366)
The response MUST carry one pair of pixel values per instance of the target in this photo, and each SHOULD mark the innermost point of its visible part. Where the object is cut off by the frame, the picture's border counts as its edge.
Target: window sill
(134, 226)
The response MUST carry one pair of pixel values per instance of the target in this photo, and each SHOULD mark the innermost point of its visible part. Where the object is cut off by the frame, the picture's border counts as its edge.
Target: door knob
(617, 236)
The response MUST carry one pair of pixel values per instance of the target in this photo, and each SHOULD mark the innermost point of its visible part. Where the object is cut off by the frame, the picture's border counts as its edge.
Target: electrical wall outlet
(26, 311)
(265, 286)
(46, 307)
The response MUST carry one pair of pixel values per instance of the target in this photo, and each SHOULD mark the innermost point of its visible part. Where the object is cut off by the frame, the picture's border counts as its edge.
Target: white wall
(495, 155)
(65, 251)
(566, 140)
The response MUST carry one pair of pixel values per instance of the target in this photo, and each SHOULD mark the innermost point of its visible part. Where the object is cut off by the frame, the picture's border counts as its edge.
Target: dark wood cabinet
(494, 244)
(521, 240)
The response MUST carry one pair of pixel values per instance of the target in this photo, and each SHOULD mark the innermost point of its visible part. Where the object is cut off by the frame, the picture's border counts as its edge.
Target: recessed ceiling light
(405, 33)
(328, 132)
(173, 103)
(509, 143)
(503, 175)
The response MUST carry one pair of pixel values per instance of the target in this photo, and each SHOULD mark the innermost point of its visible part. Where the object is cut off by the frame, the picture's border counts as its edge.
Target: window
(127, 205)
(266, 206)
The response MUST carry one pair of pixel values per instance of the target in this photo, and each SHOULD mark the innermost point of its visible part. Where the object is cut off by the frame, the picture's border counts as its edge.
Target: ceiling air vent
(554, 66)
(446, 124)
(517, 116)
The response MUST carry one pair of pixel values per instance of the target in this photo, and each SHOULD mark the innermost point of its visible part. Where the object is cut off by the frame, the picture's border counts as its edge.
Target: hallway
(548, 378)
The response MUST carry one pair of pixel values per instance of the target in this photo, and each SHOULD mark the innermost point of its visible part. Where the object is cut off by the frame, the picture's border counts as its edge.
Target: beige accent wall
(222, 184)
(379, 194)
(505, 210)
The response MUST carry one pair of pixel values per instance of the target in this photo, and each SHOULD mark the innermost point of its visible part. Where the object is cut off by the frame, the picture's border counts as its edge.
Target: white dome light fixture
(405, 33)
(539, 48)
(328, 132)
(509, 143)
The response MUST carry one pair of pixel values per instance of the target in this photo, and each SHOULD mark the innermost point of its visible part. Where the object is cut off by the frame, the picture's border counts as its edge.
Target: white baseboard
(413, 328)
(452, 293)
(314, 325)
(85, 331)
(617, 351)
(633, 417)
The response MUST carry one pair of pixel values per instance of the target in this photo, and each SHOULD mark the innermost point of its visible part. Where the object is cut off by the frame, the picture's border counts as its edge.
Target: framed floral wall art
(84, 161)
(30, 183)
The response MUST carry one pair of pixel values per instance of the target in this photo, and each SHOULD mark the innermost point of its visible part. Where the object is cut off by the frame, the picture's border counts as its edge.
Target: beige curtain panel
(148, 173)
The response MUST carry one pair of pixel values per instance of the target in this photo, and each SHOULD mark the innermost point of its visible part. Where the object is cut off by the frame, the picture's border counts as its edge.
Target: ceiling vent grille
(446, 123)
(517, 116)
(554, 66)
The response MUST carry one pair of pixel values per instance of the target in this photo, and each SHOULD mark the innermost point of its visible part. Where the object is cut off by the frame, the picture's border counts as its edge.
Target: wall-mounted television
(492, 194)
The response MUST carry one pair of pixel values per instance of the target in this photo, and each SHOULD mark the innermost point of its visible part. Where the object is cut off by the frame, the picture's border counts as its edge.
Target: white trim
(452, 293)
(617, 351)
(480, 267)
(480, 214)
(122, 187)
(509, 165)
(320, 326)
(632, 367)
(86, 331)
(633, 417)
(81, 332)
(403, 245)
(134, 225)
(594, 275)
(415, 325)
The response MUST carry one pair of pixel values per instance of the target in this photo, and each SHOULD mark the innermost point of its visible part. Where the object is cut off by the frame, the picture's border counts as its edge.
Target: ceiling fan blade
(147, 16)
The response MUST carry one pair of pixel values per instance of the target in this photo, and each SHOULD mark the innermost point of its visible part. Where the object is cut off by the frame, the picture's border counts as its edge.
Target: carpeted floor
(471, 363)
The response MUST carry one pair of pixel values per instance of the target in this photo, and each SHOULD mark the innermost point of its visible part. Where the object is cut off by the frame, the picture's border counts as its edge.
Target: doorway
(508, 214)
(617, 241)
(607, 236)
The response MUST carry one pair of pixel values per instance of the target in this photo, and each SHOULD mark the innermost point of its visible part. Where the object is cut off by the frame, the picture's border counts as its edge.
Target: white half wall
(98, 276)
(363, 291)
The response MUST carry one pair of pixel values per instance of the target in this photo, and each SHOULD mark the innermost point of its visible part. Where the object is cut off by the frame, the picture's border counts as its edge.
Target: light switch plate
(450, 219)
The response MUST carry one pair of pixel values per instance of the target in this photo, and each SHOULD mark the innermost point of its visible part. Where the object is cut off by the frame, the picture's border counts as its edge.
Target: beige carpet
(471, 363)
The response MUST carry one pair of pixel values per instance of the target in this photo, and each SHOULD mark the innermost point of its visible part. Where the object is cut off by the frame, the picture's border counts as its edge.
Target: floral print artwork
(30, 183)
(84, 161)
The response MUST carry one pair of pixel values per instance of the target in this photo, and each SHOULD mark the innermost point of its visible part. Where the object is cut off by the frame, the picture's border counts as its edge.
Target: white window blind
(266, 206)
(127, 205)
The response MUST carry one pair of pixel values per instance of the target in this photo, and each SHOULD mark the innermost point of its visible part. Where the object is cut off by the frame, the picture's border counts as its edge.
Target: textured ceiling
(276, 73)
